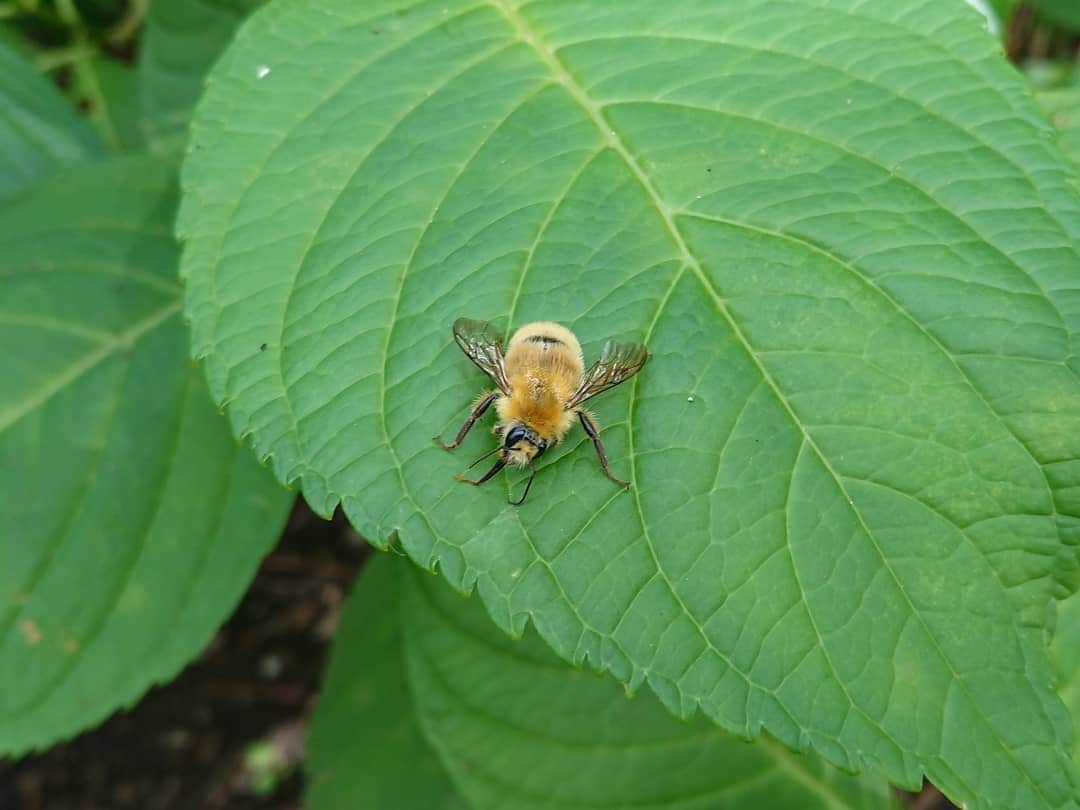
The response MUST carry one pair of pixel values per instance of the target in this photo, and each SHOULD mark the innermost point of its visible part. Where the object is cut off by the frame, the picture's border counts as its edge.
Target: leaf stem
(55, 58)
(68, 13)
(87, 79)
(128, 25)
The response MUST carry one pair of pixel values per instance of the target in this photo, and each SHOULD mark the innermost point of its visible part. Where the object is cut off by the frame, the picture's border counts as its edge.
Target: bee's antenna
(495, 449)
(521, 500)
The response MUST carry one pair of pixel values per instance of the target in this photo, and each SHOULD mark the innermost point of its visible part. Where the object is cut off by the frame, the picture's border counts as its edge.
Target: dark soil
(184, 744)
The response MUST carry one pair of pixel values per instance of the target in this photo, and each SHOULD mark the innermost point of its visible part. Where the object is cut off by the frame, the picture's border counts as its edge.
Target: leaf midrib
(921, 106)
(604, 128)
(607, 131)
(66, 377)
(88, 362)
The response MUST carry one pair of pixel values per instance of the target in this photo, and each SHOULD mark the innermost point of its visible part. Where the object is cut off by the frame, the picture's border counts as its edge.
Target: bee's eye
(514, 435)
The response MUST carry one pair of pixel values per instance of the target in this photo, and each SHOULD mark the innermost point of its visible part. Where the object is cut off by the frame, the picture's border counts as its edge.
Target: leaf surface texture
(846, 236)
(133, 521)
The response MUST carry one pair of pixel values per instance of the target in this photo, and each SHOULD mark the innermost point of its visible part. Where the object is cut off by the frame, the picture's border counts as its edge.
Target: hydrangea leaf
(133, 520)
(1067, 655)
(519, 730)
(365, 750)
(1063, 107)
(39, 130)
(1065, 13)
(844, 232)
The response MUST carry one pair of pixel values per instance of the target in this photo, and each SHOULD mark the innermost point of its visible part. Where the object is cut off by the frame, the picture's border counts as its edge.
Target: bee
(540, 385)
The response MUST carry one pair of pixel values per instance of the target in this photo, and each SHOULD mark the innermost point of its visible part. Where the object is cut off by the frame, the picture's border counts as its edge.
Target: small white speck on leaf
(515, 574)
(261, 72)
(690, 398)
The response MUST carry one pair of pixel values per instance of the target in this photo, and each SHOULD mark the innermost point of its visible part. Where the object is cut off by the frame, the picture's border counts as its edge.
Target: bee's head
(521, 445)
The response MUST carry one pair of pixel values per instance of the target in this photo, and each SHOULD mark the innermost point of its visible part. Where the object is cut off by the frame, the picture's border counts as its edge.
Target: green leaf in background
(517, 727)
(108, 92)
(1051, 74)
(181, 39)
(39, 130)
(844, 232)
(133, 521)
(519, 730)
(365, 750)
(1067, 654)
(1065, 13)
(1063, 108)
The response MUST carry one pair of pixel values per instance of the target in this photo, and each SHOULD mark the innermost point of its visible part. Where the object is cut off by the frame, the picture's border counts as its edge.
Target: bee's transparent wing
(482, 343)
(618, 363)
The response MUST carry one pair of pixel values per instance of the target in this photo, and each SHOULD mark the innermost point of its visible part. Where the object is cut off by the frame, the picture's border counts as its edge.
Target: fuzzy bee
(541, 384)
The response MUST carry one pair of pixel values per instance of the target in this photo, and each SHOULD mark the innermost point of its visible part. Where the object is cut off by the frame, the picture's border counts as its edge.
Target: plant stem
(126, 26)
(55, 58)
(67, 12)
(87, 78)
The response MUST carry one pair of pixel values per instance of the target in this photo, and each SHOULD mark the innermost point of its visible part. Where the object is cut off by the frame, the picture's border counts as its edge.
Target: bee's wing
(618, 363)
(482, 343)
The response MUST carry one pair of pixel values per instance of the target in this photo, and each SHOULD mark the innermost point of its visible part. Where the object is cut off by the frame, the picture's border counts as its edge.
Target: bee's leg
(521, 500)
(594, 434)
(498, 465)
(481, 405)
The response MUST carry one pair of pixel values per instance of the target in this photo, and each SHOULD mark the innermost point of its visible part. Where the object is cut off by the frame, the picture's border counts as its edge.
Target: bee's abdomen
(544, 346)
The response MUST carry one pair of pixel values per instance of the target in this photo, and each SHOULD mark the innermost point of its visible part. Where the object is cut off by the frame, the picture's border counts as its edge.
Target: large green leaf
(516, 727)
(843, 230)
(132, 519)
(1067, 653)
(180, 41)
(365, 750)
(1063, 107)
(519, 730)
(1065, 13)
(39, 129)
